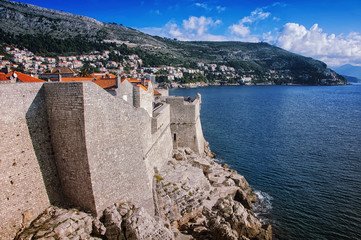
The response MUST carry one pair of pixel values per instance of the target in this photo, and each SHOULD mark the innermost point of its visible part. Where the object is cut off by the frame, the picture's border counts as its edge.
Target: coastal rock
(188, 151)
(196, 198)
(179, 154)
(57, 223)
(201, 198)
(113, 223)
(228, 219)
(208, 151)
(141, 226)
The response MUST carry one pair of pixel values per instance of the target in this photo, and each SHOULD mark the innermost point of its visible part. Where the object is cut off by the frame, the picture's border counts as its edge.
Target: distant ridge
(349, 70)
(352, 79)
(40, 29)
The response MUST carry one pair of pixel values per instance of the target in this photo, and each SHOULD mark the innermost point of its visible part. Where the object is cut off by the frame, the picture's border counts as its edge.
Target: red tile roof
(26, 78)
(105, 83)
(20, 77)
(157, 93)
(76, 79)
(134, 80)
(60, 70)
(3, 77)
(103, 75)
(142, 87)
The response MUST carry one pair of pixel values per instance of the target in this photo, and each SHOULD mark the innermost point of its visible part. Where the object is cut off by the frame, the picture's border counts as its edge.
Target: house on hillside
(54, 74)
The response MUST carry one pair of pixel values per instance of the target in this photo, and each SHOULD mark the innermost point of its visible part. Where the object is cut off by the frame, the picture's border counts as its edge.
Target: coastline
(159, 181)
(202, 84)
(195, 198)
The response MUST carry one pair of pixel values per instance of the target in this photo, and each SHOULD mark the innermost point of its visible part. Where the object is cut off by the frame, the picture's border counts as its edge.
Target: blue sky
(327, 30)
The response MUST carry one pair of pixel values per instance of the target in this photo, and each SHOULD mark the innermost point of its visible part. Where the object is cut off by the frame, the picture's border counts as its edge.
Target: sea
(299, 147)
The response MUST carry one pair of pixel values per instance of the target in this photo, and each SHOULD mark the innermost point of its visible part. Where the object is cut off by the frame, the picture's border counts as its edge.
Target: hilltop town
(84, 43)
(131, 67)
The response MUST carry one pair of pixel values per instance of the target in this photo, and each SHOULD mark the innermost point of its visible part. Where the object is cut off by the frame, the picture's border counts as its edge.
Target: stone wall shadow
(39, 130)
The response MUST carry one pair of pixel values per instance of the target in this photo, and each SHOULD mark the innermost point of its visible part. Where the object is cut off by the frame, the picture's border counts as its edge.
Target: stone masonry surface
(75, 145)
(28, 176)
(185, 123)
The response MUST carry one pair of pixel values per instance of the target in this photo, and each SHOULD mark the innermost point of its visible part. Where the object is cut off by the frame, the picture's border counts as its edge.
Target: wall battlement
(186, 126)
(75, 145)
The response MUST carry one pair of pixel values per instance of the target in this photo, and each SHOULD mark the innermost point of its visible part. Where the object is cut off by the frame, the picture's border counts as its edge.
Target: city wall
(144, 98)
(125, 91)
(75, 145)
(185, 123)
(28, 175)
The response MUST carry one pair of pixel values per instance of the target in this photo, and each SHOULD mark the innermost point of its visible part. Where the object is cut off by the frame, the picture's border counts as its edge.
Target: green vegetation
(192, 78)
(161, 79)
(52, 35)
(46, 45)
(87, 69)
(158, 178)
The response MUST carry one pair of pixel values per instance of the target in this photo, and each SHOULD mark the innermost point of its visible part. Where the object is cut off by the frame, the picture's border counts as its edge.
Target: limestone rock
(188, 151)
(208, 151)
(207, 201)
(179, 154)
(57, 223)
(196, 198)
(240, 219)
(113, 223)
(98, 228)
(140, 226)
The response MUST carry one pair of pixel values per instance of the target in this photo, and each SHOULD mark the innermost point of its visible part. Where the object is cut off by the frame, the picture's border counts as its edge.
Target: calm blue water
(299, 146)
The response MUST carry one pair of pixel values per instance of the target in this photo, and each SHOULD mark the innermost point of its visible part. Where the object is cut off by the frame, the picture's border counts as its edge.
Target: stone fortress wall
(185, 123)
(75, 145)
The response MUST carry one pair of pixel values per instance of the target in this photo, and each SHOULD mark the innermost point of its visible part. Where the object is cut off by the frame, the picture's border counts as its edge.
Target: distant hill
(349, 70)
(50, 32)
(352, 79)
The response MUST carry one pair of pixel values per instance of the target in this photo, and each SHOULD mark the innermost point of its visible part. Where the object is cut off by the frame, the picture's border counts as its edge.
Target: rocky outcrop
(196, 198)
(57, 223)
(201, 198)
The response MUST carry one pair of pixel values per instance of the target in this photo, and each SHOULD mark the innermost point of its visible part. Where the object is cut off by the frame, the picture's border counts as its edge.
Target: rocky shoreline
(195, 198)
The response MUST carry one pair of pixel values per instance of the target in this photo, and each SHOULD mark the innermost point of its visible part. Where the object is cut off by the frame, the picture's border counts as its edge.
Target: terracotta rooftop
(105, 83)
(142, 87)
(103, 75)
(157, 93)
(134, 80)
(20, 77)
(60, 70)
(76, 79)
(26, 78)
(3, 77)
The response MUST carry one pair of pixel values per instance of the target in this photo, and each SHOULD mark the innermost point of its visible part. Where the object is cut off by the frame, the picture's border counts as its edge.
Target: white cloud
(267, 37)
(239, 29)
(207, 7)
(258, 14)
(242, 27)
(220, 9)
(278, 4)
(192, 29)
(199, 25)
(174, 30)
(171, 29)
(203, 5)
(155, 12)
(334, 50)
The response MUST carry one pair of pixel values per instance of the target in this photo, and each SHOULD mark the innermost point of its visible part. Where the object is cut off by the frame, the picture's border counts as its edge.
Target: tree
(87, 69)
